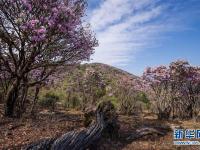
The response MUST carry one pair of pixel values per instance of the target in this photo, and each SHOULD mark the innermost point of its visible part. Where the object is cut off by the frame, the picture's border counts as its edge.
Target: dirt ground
(14, 132)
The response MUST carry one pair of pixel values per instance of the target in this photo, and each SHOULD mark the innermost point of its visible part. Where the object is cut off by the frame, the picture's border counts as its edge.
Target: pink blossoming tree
(176, 89)
(37, 37)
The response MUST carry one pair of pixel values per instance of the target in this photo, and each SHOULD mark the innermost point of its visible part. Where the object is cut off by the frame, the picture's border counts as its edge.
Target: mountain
(94, 82)
(110, 72)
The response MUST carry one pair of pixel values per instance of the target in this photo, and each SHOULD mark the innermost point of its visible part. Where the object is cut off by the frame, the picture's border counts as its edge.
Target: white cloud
(124, 27)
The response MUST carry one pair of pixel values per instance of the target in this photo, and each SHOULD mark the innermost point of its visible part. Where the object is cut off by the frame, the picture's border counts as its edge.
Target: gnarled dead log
(80, 140)
(148, 131)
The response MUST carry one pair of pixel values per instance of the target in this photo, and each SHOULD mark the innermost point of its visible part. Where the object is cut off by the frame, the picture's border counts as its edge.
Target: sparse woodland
(49, 100)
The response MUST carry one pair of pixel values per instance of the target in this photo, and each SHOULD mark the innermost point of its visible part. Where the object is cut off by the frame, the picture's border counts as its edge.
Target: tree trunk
(21, 108)
(10, 99)
(37, 90)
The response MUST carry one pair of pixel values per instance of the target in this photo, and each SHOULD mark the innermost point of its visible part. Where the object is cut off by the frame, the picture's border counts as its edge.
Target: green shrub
(100, 93)
(128, 106)
(49, 101)
(74, 101)
(144, 99)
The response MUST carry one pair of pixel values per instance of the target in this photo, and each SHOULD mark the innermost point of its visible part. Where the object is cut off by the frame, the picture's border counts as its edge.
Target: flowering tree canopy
(178, 84)
(36, 36)
(42, 33)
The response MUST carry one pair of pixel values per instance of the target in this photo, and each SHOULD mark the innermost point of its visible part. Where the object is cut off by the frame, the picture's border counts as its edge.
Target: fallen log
(146, 131)
(80, 140)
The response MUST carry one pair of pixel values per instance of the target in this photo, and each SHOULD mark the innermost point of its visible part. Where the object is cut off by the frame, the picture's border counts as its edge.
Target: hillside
(109, 70)
(112, 74)
(95, 82)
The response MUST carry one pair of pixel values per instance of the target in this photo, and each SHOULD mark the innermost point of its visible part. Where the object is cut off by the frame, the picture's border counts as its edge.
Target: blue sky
(134, 34)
